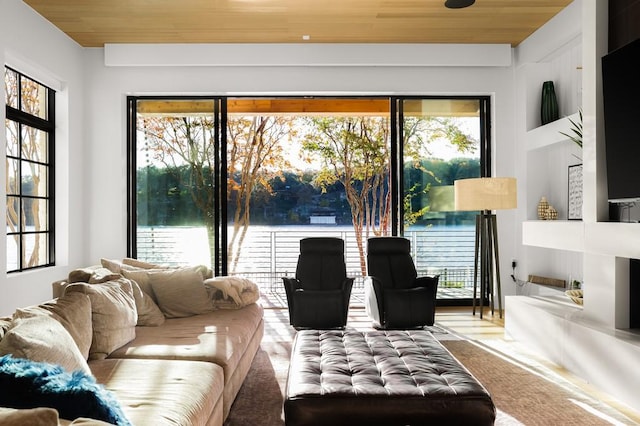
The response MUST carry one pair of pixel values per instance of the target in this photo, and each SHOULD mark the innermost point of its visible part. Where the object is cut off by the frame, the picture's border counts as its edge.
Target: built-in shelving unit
(594, 340)
(554, 248)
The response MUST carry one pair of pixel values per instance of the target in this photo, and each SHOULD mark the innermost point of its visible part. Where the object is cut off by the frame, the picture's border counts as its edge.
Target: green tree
(421, 170)
(185, 147)
(186, 143)
(256, 152)
(354, 151)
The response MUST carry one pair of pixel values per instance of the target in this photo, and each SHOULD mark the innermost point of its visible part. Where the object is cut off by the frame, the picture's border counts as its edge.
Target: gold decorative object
(552, 213)
(543, 207)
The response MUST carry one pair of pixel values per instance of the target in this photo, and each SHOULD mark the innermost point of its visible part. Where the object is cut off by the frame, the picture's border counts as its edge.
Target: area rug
(522, 396)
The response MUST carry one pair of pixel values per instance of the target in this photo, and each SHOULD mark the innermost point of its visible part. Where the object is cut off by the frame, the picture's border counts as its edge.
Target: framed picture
(574, 210)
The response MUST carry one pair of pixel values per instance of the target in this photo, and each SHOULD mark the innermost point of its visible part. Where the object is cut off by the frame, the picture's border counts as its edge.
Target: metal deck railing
(270, 253)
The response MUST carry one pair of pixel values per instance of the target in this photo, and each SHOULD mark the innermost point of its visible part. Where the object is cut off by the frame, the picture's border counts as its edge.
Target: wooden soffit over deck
(97, 22)
(311, 106)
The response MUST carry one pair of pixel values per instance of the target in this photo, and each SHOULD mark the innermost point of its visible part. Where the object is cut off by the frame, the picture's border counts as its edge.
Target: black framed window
(30, 134)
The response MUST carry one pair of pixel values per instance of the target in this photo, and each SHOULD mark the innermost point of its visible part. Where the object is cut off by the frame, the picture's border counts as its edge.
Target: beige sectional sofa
(173, 345)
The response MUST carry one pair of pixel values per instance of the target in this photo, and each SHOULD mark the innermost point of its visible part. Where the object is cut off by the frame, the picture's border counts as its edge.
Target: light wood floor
(490, 332)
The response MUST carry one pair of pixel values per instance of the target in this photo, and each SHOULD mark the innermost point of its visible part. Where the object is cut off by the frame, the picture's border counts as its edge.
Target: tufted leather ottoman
(380, 377)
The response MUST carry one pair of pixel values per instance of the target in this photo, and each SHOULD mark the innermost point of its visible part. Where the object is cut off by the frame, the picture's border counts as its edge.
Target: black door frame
(220, 162)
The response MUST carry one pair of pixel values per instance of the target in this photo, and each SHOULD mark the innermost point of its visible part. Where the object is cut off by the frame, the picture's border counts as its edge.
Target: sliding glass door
(235, 183)
(301, 167)
(441, 140)
(174, 174)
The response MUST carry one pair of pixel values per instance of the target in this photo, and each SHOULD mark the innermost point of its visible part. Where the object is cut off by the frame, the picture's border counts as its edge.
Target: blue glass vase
(549, 106)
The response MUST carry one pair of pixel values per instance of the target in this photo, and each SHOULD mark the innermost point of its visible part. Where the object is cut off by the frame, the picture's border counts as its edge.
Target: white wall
(33, 46)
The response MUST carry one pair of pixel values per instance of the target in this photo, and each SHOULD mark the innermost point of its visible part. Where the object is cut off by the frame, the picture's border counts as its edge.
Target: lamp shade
(495, 193)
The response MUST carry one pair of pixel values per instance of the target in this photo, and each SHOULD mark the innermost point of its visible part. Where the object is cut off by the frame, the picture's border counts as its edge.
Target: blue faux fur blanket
(28, 384)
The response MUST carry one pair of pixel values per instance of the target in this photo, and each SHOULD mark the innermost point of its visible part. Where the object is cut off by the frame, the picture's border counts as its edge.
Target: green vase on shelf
(549, 110)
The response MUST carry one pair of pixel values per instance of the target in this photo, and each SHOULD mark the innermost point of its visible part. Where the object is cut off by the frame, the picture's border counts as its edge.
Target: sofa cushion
(40, 384)
(73, 311)
(113, 314)
(84, 421)
(163, 392)
(221, 337)
(180, 292)
(42, 338)
(40, 416)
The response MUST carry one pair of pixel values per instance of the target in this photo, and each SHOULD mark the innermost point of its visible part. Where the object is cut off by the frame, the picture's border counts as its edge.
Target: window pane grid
(29, 130)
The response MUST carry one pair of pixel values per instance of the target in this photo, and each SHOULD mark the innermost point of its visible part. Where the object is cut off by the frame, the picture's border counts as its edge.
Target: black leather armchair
(318, 296)
(395, 297)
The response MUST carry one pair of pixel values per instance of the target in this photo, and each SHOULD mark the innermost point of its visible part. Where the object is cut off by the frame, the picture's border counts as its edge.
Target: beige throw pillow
(116, 265)
(102, 275)
(149, 314)
(111, 264)
(113, 313)
(73, 311)
(81, 275)
(43, 339)
(180, 292)
(141, 276)
(142, 264)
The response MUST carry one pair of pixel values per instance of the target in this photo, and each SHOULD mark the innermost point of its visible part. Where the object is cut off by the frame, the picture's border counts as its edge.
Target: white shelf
(554, 234)
(614, 239)
(549, 134)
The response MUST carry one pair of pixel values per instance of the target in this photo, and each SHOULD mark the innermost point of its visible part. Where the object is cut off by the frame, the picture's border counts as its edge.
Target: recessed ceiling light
(458, 4)
(306, 37)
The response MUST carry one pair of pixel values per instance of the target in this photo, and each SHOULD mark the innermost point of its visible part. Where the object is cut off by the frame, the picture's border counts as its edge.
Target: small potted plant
(576, 136)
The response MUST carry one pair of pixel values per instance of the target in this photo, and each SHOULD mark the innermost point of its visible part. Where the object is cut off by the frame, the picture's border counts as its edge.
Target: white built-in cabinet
(592, 341)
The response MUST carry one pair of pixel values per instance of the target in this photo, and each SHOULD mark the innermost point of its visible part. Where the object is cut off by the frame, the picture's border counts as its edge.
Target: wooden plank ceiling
(96, 22)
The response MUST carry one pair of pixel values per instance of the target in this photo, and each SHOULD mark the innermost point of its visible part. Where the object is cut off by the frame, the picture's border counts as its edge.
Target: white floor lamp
(486, 195)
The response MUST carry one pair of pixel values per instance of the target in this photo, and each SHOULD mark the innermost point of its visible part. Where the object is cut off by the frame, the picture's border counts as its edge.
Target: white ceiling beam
(301, 55)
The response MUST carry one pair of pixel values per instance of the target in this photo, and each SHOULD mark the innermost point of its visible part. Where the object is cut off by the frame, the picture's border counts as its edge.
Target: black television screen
(621, 92)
